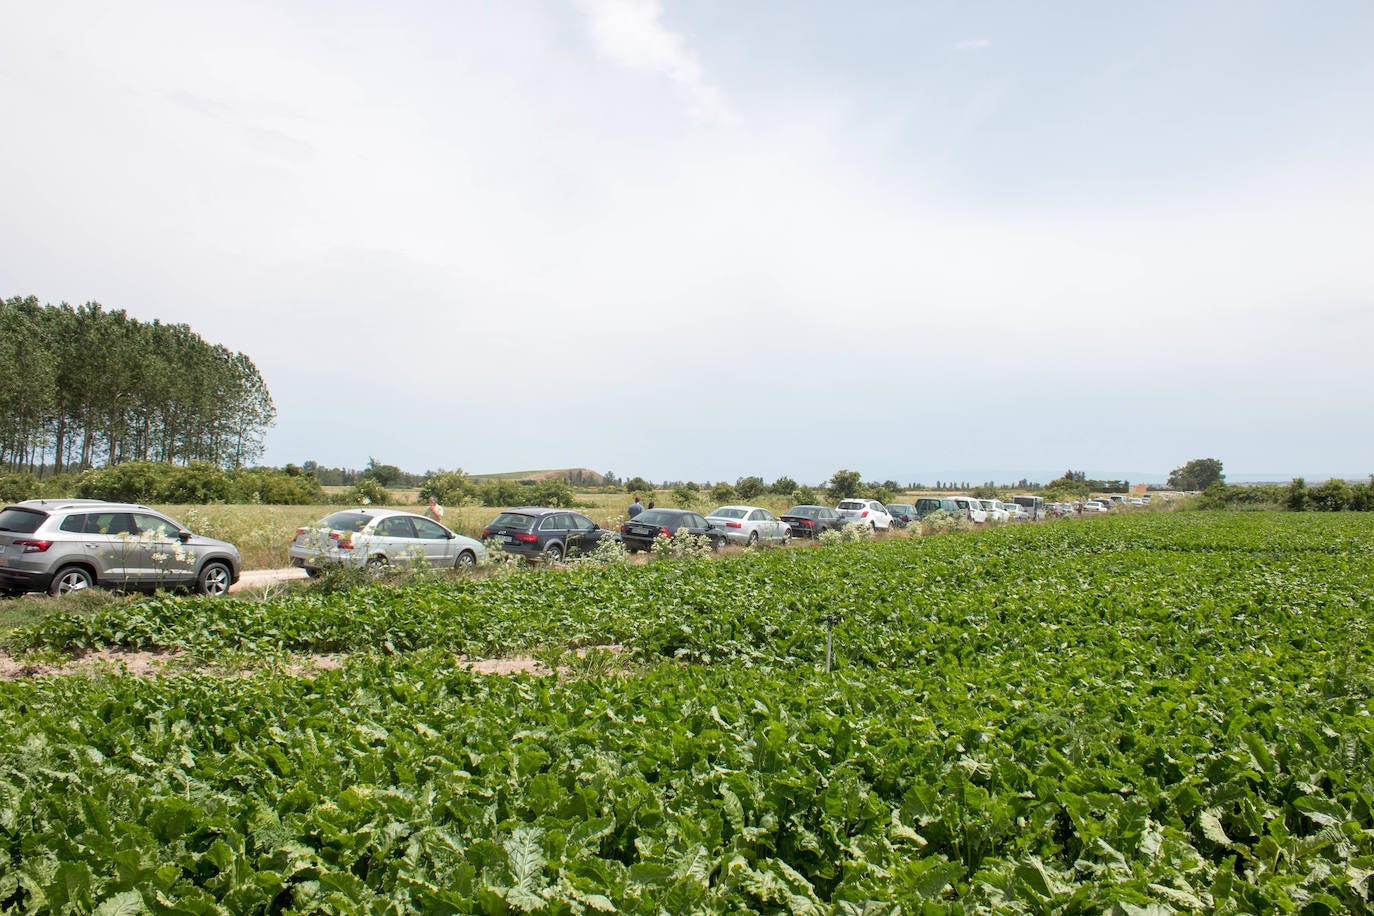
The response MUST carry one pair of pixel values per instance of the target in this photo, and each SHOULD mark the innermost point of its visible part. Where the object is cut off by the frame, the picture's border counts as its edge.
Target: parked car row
(66, 545)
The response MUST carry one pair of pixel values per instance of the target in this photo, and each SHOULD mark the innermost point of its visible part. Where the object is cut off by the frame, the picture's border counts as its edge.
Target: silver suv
(63, 545)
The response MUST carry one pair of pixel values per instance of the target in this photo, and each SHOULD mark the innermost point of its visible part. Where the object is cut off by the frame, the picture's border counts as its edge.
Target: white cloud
(972, 44)
(630, 34)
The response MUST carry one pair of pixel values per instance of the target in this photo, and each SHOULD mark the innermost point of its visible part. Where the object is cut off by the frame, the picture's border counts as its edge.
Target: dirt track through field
(261, 578)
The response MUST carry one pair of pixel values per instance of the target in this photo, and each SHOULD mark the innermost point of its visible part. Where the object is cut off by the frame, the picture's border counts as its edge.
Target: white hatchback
(865, 512)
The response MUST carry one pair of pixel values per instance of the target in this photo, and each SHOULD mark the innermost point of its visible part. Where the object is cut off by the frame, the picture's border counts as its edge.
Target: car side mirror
(185, 536)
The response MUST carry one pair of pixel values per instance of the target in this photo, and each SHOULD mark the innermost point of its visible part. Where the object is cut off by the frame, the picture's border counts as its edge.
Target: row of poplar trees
(83, 386)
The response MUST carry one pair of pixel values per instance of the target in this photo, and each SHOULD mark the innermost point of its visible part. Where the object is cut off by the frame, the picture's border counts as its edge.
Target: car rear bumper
(24, 580)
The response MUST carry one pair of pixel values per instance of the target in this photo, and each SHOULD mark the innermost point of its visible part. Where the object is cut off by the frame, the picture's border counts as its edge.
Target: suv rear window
(853, 504)
(21, 521)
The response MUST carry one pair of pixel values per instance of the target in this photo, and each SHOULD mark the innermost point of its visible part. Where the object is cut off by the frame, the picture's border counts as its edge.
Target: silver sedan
(378, 537)
(749, 525)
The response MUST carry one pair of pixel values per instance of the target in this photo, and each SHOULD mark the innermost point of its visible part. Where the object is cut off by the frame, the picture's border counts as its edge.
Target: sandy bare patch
(154, 664)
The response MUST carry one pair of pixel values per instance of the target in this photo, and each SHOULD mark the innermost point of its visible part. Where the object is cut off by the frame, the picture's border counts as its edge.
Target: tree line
(82, 386)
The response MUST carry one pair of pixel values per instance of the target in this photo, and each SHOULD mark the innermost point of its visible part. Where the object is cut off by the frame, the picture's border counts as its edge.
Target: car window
(155, 526)
(660, 517)
(553, 523)
(116, 523)
(692, 520)
(512, 520)
(347, 521)
(728, 512)
(581, 522)
(75, 524)
(21, 521)
(396, 526)
(428, 530)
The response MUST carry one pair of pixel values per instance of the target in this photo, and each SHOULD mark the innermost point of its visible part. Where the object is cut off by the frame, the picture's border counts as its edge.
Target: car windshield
(729, 512)
(347, 521)
(803, 511)
(512, 520)
(21, 521)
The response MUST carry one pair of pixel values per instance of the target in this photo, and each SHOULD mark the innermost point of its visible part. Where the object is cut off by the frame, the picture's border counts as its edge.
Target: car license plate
(505, 538)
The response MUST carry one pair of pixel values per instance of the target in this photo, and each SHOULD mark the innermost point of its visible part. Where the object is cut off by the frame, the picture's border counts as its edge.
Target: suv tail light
(665, 532)
(526, 538)
(807, 522)
(33, 546)
(865, 515)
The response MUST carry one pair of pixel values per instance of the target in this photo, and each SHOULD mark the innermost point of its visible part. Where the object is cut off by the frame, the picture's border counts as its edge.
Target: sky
(969, 240)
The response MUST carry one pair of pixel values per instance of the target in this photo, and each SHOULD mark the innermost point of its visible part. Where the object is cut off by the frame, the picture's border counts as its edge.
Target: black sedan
(639, 532)
(552, 534)
(811, 521)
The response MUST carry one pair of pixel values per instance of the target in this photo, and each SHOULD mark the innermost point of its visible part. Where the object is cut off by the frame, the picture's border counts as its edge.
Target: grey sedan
(378, 537)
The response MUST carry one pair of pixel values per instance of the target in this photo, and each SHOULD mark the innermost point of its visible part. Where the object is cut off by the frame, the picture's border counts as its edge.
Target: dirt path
(261, 578)
(152, 664)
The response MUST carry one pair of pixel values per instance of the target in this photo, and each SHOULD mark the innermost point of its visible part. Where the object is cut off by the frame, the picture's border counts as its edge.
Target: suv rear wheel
(70, 579)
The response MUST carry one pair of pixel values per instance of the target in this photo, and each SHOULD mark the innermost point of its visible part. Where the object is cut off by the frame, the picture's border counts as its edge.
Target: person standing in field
(434, 510)
(636, 507)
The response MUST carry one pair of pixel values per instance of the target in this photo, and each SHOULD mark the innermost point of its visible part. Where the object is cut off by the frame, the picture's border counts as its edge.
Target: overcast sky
(699, 240)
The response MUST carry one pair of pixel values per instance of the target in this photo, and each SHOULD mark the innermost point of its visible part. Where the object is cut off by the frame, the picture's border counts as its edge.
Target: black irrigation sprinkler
(829, 620)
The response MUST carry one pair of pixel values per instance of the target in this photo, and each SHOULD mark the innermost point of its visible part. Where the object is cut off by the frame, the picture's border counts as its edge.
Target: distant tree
(722, 493)
(638, 485)
(873, 490)
(986, 491)
(891, 486)
(783, 486)
(807, 496)
(1297, 495)
(610, 479)
(1072, 484)
(685, 495)
(387, 475)
(845, 484)
(1198, 474)
(750, 487)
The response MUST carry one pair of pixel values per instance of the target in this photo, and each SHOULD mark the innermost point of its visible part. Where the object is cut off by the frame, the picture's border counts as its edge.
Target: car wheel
(554, 552)
(214, 579)
(466, 560)
(753, 538)
(378, 563)
(787, 537)
(70, 579)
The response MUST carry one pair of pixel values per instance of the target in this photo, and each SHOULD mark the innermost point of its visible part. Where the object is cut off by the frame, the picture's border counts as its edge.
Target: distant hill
(578, 477)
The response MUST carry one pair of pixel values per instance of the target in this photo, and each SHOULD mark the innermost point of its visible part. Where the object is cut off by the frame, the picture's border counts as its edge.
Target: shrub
(17, 487)
(943, 522)
(369, 492)
(750, 487)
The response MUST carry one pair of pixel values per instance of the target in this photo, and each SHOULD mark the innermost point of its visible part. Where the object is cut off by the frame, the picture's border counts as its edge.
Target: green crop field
(1147, 714)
